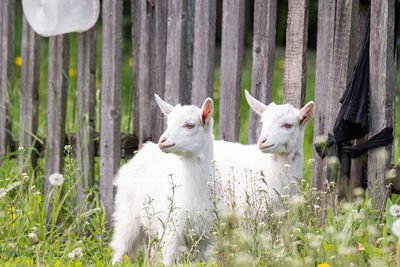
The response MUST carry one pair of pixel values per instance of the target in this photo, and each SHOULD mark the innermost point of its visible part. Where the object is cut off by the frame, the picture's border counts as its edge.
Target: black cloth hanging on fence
(352, 120)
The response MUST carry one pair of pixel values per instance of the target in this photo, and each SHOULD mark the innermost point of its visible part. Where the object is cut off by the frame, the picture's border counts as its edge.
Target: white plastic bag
(54, 17)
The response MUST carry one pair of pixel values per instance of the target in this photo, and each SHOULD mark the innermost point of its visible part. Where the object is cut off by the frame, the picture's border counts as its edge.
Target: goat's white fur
(279, 158)
(148, 176)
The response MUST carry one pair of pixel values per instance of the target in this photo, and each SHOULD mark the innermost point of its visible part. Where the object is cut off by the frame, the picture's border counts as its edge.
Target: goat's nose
(162, 140)
(262, 141)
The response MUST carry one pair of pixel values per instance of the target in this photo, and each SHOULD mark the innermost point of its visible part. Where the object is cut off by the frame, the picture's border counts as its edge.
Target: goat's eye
(287, 125)
(189, 125)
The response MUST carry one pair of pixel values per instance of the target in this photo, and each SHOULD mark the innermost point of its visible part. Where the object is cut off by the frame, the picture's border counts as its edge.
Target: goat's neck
(197, 168)
(292, 162)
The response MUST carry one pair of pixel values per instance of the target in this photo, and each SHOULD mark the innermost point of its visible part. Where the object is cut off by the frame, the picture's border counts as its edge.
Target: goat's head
(282, 125)
(189, 129)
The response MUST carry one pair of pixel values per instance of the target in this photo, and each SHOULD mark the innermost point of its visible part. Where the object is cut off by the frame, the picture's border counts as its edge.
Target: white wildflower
(21, 149)
(56, 179)
(358, 191)
(395, 210)
(33, 238)
(76, 253)
(297, 201)
(287, 166)
(396, 228)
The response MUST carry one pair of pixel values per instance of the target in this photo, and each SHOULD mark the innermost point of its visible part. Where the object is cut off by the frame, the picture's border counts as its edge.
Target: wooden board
(231, 69)
(7, 12)
(204, 51)
(135, 29)
(263, 60)
(110, 120)
(57, 90)
(178, 68)
(86, 127)
(334, 65)
(382, 94)
(29, 97)
(294, 80)
(153, 36)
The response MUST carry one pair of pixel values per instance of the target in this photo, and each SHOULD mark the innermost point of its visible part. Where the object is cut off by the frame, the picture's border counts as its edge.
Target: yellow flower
(281, 65)
(18, 61)
(72, 72)
(130, 62)
(13, 215)
(323, 265)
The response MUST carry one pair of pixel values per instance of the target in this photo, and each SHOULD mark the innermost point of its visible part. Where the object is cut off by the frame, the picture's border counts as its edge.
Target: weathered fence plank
(29, 99)
(57, 91)
(135, 29)
(86, 112)
(382, 93)
(358, 166)
(204, 50)
(7, 12)
(326, 22)
(110, 101)
(231, 69)
(294, 80)
(263, 59)
(178, 66)
(153, 36)
(334, 64)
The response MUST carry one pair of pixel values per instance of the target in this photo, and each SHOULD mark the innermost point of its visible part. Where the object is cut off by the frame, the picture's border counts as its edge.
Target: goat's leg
(127, 232)
(127, 237)
(171, 248)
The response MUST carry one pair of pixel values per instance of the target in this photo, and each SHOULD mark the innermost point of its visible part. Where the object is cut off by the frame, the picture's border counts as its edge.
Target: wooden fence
(173, 55)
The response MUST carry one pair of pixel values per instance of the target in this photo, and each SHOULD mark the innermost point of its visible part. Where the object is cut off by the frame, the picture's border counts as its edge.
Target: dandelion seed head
(395, 210)
(396, 228)
(358, 191)
(373, 231)
(56, 179)
(297, 201)
(33, 238)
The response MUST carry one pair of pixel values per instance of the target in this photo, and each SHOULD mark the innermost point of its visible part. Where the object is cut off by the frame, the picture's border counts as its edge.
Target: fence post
(153, 36)
(382, 93)
(294, 80)
(263, 59)
(135, 30)
(204, 50)
(178, 66)
(110, 133)
(334, 64)
(86, 112)
(7, 18)
(359, 166)
(231, 69)
(57, 91)
(29, 99)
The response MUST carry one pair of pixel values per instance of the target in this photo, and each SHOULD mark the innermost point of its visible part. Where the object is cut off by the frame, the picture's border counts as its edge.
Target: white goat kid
(188, 146)
(278, 154)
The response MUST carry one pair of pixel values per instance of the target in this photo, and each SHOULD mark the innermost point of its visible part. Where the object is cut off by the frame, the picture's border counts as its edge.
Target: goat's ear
(207, 110)
(306, 113)
(164, 106)
(256, 105)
